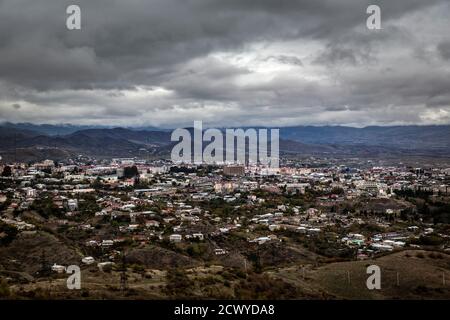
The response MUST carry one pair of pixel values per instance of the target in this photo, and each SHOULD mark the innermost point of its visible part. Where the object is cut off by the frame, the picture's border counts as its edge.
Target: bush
(46, 208)
(4, 289)
(258, 286)
(196, 250)
(177, 283)
(429, 240)
(7, 172)
(138, 268)
(7, 233)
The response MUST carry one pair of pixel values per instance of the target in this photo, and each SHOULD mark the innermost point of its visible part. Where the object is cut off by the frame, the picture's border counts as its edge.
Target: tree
(130, 172)
(178, 283)
(7, 172)
(4, 289)
(45, 269)
(45, 207)
(7, 233)
(97, 184)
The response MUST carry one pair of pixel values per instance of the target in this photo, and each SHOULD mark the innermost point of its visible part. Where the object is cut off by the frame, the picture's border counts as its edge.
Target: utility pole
(245, 265)
(123, 275)
(44, 266)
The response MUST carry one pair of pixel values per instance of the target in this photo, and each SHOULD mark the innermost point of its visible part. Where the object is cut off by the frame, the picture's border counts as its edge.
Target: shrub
(258, 286)
(7, 233)
(177, 283)
(4, 289)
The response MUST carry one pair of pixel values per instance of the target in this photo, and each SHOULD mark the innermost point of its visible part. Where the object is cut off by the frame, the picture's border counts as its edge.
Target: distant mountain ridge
(23, 143)
(404, 137)
(64, 129)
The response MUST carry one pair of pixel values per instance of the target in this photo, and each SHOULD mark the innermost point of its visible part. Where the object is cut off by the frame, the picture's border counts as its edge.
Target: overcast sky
(226, 62)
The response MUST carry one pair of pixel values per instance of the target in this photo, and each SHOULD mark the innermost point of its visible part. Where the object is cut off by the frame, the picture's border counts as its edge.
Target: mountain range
(29, 142)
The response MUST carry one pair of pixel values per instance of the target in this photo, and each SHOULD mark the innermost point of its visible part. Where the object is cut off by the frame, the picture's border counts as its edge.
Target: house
(31, 193)
(393, 243)
(88, 260)
(103, 266)
(107, 243)
(128, 207)
(71, 204)
(101, 213)
(132, 227)
(219, 251)
(198, 236)
(92, 243)
(58, 268)
(274, 227)
(261, 240)
(175, 237)
(152, 223)
(312, 212)
(354, 239)
(382, 247)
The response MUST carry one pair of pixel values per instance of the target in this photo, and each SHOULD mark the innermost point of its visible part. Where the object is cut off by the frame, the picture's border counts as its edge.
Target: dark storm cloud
(123, 37)
(201, 58)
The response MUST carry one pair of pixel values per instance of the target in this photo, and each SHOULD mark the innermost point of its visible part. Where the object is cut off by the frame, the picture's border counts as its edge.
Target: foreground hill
(420, 275)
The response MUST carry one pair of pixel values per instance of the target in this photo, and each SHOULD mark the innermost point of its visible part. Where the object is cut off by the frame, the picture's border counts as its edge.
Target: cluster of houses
(160, 204)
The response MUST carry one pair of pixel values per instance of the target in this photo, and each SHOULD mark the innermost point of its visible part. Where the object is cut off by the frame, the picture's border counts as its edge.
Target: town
(216, 230)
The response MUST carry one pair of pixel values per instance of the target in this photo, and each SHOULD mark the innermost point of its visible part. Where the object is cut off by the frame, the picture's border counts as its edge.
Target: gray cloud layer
(234, 62)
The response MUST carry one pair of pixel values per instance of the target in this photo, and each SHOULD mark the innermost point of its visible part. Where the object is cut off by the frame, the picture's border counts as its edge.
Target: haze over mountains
(27, 142)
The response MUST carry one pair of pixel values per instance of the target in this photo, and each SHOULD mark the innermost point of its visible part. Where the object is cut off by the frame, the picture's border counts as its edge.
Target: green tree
(46, 208)
(7, 172)
(130, 172)
(7, 233)
(178, 283)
